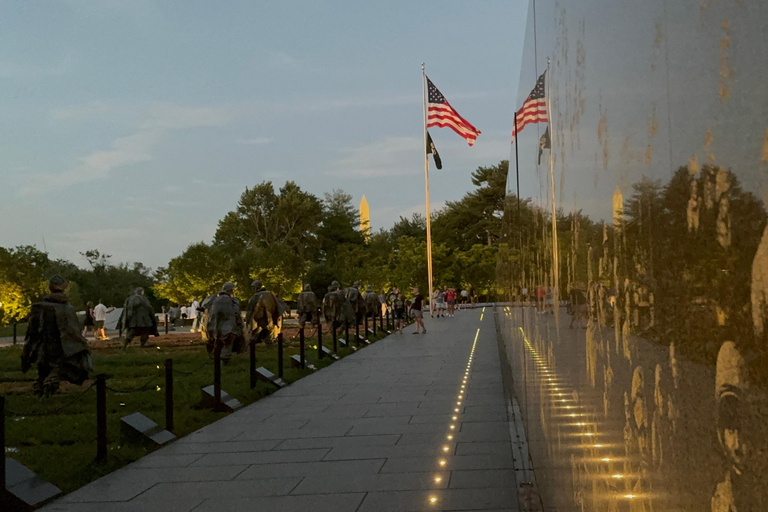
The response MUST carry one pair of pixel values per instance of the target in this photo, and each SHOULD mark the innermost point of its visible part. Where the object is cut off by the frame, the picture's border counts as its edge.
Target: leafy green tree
(339, 225)
(477, 217)
(22, 280)
(199, 271)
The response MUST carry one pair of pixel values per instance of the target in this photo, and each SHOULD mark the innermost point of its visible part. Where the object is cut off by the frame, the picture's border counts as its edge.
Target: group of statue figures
(340, 307)
(55, 343)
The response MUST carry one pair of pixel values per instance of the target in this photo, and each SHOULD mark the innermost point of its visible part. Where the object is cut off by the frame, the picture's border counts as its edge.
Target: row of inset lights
(556, 391)
(454, 417)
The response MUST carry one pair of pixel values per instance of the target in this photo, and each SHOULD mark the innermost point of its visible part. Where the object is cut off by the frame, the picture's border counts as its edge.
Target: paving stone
(474, 479)
(381, 452)
(365, 433)
(272, 457)
(180, 447)
(128, 482)
(482, 447)
(446, 499)
(339, 467)
(315, 503)
(321, 484)
(230, 489)
(453, 462)
(332, 442)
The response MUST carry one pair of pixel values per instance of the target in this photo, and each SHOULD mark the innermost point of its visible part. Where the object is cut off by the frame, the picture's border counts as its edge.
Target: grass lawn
(56, 437)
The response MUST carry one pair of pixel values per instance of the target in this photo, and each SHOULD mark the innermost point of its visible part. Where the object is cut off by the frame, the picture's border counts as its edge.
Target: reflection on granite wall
(646, 389)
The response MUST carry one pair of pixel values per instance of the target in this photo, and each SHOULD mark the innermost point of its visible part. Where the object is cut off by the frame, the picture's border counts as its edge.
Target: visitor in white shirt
(192, 313)
(100, 316)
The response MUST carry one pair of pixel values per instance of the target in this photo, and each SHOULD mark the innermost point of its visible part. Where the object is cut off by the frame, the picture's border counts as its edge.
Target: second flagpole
(426, 183)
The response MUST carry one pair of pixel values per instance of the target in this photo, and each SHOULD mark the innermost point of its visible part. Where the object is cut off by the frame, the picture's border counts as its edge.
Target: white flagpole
(426, 183)
(555, 254)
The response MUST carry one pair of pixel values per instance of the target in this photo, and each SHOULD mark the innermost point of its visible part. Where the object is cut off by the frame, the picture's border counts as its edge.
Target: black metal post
(252, 363)
(2, 447)
(381, 320)
(346, 332)
(357, 330)
(166, 323)
(365, 325)
(335, 340)
(14, 332)
(301, 348)
(217, 375)
(169, 395)
(101, 418)
(280, 355)
(320, 340)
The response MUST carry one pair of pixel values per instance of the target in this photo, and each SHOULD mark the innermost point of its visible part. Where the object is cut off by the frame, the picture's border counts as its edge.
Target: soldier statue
(55, 343)
(337, 310)
(371, 302)
(307, 307)
(224, 325)
(356, 300)
(263, 307)
(138, 318)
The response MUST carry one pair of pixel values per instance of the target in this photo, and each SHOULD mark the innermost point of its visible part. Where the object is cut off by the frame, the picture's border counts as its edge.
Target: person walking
(464, 295)
(440, 303)
(450, 297)
(192, 312)
(90, 321)
(383, 302)
(399, 306)
(100, 317)
(417, 305)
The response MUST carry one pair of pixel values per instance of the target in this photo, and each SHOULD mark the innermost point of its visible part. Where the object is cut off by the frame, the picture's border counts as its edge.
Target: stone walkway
(382, 430)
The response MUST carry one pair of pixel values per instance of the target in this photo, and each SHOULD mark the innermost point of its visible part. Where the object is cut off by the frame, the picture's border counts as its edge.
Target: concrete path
(382, 430)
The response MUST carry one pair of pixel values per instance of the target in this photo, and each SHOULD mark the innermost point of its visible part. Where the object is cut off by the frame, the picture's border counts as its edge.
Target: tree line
(285, 237)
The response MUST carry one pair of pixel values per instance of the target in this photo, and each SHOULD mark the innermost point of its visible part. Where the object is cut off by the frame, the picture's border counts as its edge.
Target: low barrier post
(169, 395)
(2, 447)
(280, 355)
(357, 331)
(217, 375)
(320, 340)
(301, 348)
(101, 418)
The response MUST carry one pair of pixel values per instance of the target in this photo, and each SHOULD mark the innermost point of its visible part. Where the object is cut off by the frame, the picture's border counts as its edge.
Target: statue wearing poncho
(54, 341)
(337, 310)
(263, 308)
(138, 318)
(307, 306)
(371, 302)
(356, 300)
(224, 325)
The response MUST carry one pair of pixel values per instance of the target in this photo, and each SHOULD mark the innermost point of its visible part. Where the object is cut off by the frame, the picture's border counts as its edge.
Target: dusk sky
(133, 127)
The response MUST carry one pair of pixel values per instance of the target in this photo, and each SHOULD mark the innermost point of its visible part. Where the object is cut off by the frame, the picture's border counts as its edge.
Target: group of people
(95, 317)
(178, 313)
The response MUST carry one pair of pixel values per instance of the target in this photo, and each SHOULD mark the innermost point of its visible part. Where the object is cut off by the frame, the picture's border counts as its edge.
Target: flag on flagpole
(441, 114)
(534, 110)
(544, 143)
(432, 150)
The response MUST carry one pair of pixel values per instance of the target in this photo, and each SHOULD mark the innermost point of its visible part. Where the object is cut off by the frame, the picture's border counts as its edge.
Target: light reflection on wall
(650, 393)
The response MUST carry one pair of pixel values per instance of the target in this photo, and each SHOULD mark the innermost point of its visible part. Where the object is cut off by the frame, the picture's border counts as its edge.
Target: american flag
(441, 114)
(534, 110)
